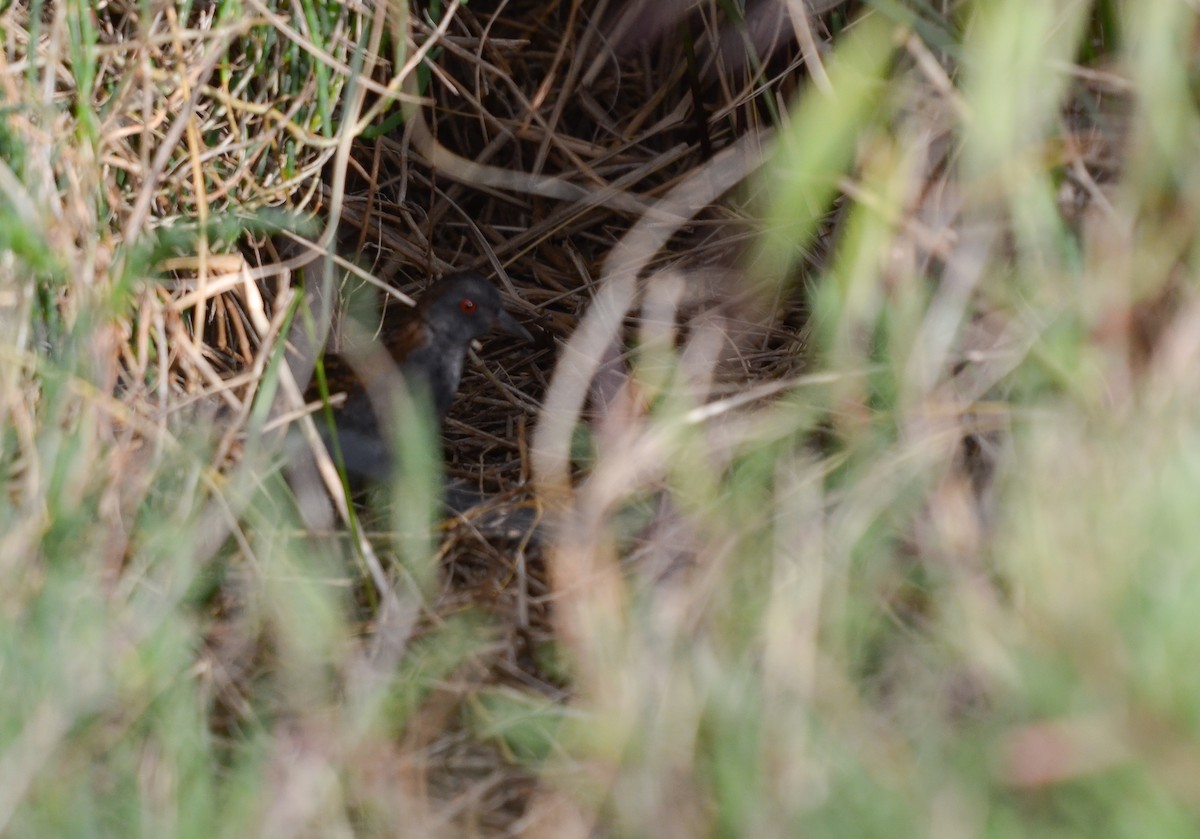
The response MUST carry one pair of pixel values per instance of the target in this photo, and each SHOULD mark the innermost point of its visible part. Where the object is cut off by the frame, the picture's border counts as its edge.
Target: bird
(429, 347)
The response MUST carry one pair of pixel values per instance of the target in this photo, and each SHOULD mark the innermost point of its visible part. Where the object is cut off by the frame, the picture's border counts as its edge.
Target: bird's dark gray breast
(435, 374)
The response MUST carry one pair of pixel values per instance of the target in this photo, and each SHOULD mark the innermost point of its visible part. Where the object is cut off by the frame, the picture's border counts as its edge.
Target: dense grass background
(933, 574)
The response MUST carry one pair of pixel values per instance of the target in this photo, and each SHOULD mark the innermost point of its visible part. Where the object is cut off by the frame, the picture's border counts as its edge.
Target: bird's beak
(507, 323)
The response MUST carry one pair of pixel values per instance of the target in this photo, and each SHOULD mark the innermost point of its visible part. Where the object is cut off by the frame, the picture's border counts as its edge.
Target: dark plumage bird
(429, 347)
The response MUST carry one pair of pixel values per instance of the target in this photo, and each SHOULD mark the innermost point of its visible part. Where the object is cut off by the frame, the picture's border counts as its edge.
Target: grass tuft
(846, 488)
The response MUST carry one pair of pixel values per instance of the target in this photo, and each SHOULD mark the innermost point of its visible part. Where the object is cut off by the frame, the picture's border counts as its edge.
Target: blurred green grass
(882, 635)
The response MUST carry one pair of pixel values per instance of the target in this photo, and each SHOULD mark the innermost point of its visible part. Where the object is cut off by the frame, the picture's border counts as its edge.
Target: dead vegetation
(745, 488)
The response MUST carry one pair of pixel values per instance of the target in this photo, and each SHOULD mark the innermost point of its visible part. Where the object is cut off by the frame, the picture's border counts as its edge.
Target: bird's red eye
(467, 305)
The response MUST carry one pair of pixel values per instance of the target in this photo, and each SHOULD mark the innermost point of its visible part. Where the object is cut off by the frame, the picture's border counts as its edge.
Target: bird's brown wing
(403, 335)
(350, 371)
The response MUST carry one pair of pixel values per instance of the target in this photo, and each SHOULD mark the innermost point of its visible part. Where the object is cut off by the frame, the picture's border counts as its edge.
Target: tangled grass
(846, 490)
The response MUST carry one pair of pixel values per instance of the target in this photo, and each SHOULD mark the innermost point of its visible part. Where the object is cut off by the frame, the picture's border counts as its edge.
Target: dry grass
(858, 429)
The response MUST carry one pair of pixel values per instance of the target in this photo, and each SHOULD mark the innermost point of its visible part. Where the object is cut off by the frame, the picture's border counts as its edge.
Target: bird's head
(466, 306)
